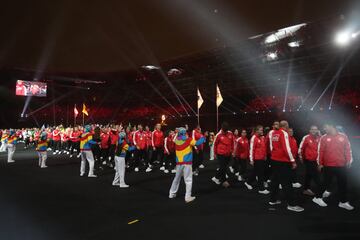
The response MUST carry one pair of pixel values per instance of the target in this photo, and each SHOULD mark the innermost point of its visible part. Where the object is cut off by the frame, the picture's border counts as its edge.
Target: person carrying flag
(41, 149)
(86, 154)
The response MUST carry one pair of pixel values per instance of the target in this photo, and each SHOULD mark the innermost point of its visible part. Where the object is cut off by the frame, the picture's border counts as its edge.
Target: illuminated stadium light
(271, 56)
(283, 33)
(343, 38)
(150, 67)
(294, 44)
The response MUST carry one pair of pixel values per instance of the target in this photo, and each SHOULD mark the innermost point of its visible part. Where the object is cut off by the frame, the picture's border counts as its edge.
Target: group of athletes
(263, 159)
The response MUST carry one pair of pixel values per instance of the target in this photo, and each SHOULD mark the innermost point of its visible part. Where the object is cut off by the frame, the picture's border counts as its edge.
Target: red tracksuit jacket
(308, 149)
(334, 150)
(139, 138)
(242, 148)
(197, 135)
(105, 140)
(169, 145)
(157, 139)
(280, 146)
(75, 136)
(56, 135)
(114, 137)
(224, 143)
(257, 148)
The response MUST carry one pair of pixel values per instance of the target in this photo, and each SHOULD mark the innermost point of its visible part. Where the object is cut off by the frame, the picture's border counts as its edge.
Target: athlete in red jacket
(140, 142)
(334, 158)
(241, 154)
(169, 152)
(157, 143)
(257, 155)
(198, 154)
(223, 149)
(75, 141)
(308, 154)
(57, 140)
(282, 163)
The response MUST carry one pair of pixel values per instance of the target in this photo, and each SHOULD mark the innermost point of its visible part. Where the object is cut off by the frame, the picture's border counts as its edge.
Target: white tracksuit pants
(3, 146)
(11, 150)
(212, 155)
(42, 159)
(186, 171)
(87, 155)
(119, 178)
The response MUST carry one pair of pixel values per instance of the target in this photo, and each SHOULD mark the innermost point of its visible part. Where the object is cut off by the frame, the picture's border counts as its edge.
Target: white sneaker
(136, 169)
(11, 161)
(44, 166)
(109, 158)
(104, 163)
(346, 206)
(124, 185)
(148, 169)
(326, 194)
(215, 180)
(79, 155)
(265, 192)
(240, 178)
(173, 171)
(92, 175)
(296, 185)
(162, 168)
(54, 153)
(166, 171)
(201, 166)
(280, 187)
(172, 195)
(189, 199)
(319, 201)
(196, 173)
(115, 184)
(231, 169)
(249, 187)
(237, 174)
(82, 174)
(70, 155)
(295, 208)
(266, 185)
(275, 203)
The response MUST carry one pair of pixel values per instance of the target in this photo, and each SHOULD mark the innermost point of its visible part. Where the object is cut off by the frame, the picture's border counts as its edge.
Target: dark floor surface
(56, 203)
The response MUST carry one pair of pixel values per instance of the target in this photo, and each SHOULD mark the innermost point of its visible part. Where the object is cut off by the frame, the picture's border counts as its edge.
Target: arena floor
(56, 203)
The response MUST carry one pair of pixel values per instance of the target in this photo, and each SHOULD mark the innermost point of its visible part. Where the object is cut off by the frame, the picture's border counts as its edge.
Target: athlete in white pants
(42, 159)
(119, 179)
(183, 150)
(186, 171)
(11, 150)
(3, 146)
(87, 155)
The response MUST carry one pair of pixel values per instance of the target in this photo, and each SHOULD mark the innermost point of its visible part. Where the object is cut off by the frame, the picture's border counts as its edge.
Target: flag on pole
(219, 98)
(76, 112)
(200, 100)
(84, 111)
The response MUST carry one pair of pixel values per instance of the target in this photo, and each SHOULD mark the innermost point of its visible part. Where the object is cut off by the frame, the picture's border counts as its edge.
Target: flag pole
(217, 118)
(198, 115)
(83, 118)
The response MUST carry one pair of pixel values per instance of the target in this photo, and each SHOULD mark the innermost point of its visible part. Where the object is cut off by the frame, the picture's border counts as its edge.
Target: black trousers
(223, 162)
(340, 173)
(198, 158)
(170, 162)
(139, 156)
(112, 152)
(282, 174)
(75, 145)
(157, 155)
(105, 154)
(258, 171)
(268, 169)
(57, 145)
(240, 165)
(311, 174)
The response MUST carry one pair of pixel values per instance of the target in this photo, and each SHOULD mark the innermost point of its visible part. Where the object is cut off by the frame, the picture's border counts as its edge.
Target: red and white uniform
(114, 137)
(334, 150)
(257, 148)
(56, 135)
(280, 146)
(169, 145)
(157, 138)
(308, 149)
(196, 134)
(242, 148)
(75, 136)
(148, 138)
(139, 138)
(105, 140)
(293, 146)
(224, 143)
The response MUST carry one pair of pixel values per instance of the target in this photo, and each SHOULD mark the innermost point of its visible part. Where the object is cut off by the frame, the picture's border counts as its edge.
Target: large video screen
(27, 88)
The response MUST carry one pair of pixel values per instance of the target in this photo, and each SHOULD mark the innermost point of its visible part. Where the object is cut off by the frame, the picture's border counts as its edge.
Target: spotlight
(343, 38)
